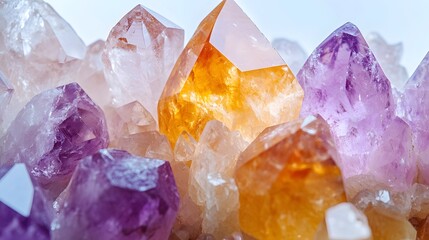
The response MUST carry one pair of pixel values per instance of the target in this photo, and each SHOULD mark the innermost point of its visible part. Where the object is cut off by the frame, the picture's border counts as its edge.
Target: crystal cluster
(136, 138)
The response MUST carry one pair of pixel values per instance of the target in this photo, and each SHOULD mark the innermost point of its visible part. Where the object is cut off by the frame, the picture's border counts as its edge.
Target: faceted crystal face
(229, 72)
(6, 91)
(140, 52)
(64, 125)
(36, 46)
(115, 195)
(24, 210)
(287, 178)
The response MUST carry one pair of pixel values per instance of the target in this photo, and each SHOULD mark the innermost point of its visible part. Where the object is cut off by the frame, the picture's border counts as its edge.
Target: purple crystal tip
(115, 195)
(52, 133)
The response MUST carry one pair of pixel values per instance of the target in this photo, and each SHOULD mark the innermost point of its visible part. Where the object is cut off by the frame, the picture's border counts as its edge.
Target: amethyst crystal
(52, 133)
(115, 195)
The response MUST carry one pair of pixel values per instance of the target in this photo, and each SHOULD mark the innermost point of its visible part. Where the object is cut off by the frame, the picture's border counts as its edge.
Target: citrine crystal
(287, 178)
(229, 72)
(140, 52)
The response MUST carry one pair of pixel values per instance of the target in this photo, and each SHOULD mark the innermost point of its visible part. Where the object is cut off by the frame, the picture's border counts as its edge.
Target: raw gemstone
(24, 213)
(291, 52)
(115, 195)
(389, 56)
(36, 46)
(6, 91)
(287, 178)
(211, 183)
(228, 72)
(387, 227)
(423, 230)
(140, 52)
(345, 222)
(52, 133)
(344, 83)
(416, 112)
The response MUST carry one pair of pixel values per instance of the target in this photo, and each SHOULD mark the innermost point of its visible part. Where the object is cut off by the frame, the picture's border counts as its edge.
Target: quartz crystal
(345, 222)
(415, 106)
(24, 213)
(287, 178)
(291, 52)
(387, 227)
(344, 83)
(228, 72)
(115, 195)
(36, 47)
(6, 91)
(52, 133)
(389, 56)
(140, 52)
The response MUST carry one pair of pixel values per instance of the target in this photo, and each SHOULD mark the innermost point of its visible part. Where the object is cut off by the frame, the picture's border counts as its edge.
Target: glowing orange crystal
(286, 179)
(229, 72)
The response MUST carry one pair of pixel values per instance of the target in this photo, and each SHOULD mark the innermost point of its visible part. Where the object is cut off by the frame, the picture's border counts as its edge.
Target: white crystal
(293, 54)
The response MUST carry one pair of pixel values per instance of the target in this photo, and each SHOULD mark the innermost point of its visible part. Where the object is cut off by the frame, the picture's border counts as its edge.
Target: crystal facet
(140, 52)
(64, 125)
(228, 72)
(115, 195)
(287, 178)
(344, 83)
(291, 52)
(6, 91)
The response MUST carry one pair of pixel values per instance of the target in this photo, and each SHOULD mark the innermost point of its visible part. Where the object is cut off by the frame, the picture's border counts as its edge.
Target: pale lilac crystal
(344, 83)
(52, 133)
(415, 102)
(18, 221)
(115, 195)
(6, 91)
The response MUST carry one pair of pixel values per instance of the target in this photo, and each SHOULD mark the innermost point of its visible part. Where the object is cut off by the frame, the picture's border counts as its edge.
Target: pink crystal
(344, 83)
(115, 195)
(140, 53)
(52, 133)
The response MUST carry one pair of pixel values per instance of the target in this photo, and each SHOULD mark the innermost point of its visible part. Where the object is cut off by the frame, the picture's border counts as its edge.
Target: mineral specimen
(140, 52)
(23, 210)
(388, 227)
(52, 133)
(389, 57)
(343, 83)
(36, 46)
(291, 52)
(228, 72)
(287, 178)
(212, 185)
(115, 195)
(415, 106)
(345, 222)
(6, 91)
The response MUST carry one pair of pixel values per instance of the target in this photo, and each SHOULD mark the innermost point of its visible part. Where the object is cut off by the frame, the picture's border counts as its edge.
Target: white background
(307, 21)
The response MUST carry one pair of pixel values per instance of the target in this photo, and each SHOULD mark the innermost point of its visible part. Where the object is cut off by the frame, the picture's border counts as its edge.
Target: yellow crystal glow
(229, 72)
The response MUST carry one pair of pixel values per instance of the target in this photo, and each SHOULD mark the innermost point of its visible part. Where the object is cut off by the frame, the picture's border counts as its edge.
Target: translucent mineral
(24, 213)
(140, 52)
(415, 100)
(36, 47)
(344, 83)
(52, 133)
(287, 178)
(228, 72)
(6, 91)
(389, 227)
(389, 56)
(115, 195)
(345, 222)
(291, 52)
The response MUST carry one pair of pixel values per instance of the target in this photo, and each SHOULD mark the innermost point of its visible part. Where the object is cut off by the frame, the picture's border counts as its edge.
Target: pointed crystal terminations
(36, 46)
(286, 179)
(115, 195)
(140, 52)
(52, 133)
(228, 72)
(24, 213)
(416, 100)
(344, 83)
